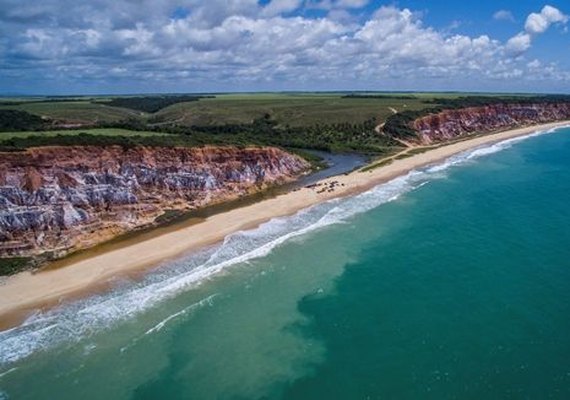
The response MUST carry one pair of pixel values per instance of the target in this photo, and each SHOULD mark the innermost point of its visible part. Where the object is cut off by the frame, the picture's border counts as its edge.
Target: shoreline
(193, 217)
(26, 292)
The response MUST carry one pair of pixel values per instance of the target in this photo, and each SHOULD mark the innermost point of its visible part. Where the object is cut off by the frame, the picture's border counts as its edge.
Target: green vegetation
(84, 139)
(168, 216)
(342, 138)
(315, 161)
(379, 164)
(10, 266)
(409, 153)
(74, 132)
(345, 137)
(398, 125)
(340, 122)
(420, 150)
(15, 120)
(74, 111)
(478, 101)
(17, 102)
(295, 110)
(149, 104)
(286, 109)
(379, 96)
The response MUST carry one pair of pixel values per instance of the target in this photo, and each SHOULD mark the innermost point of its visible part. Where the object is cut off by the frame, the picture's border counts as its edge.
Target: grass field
(75, 111)
(325, 121)
(296, 109)
(100, 132)
(286, 109)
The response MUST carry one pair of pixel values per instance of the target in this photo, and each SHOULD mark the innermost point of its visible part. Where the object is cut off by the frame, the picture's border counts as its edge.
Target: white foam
(82, 319)
(158, 327)
(3, 374)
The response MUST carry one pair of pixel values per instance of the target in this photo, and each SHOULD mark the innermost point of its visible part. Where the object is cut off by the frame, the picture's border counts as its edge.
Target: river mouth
(337, 164)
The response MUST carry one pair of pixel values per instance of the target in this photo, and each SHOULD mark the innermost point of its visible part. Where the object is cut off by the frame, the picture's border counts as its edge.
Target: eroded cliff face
(57, 199)
(450, 124)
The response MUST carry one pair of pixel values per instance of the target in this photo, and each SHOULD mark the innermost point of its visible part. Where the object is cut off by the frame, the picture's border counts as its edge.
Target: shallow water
(337, 164)
(450, 282)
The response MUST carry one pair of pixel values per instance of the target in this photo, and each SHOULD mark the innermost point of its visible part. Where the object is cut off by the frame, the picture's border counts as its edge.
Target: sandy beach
(25, 292)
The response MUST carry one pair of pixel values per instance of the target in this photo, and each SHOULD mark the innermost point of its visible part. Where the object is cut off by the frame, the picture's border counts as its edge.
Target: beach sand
(24, 293)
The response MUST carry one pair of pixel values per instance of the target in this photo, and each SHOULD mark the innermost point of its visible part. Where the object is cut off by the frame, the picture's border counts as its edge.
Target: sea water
(451, 282)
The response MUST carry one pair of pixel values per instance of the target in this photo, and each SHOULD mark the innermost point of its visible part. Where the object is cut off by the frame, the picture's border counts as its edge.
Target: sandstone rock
(450, 124)
(65, 198)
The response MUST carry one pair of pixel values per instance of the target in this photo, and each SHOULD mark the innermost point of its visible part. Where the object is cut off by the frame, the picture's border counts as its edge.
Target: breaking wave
(79, 320)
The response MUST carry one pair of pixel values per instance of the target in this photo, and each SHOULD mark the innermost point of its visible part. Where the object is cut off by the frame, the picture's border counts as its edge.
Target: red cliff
(57, 199)
(450, 124)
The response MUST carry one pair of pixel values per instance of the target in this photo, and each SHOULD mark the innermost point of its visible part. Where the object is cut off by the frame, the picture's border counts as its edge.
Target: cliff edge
(454, 123)
(59, 199)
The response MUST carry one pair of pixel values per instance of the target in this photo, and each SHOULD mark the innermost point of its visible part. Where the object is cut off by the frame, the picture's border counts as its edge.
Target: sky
(62, 47)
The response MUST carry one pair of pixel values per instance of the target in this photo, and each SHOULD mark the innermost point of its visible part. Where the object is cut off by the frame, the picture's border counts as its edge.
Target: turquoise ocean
(452, 282)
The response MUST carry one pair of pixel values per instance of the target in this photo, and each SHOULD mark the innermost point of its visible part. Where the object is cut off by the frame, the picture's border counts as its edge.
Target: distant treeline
(85, 139)
(478, 101)
(399, 125)
(344, 137)
(16, 120)
(340, 137)
(149, 104)
(195, 140)
(46, 100)
(263, 131)
(379, 96)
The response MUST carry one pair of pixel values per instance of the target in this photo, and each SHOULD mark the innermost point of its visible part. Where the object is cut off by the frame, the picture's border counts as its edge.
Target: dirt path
(378, 129)
(404, 142)
(168, 122)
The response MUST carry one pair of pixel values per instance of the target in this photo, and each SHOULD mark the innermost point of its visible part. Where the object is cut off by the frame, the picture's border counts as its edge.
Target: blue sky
(145, 46)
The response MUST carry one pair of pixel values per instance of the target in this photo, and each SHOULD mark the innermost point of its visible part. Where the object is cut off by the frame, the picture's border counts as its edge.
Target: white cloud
(276, 7)
(352, 3)
(539, 22)
(239, 43)
(534, 64)
(336, 4)
(504, 15)
(138, 41)
(536, 23)
(519, 43)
